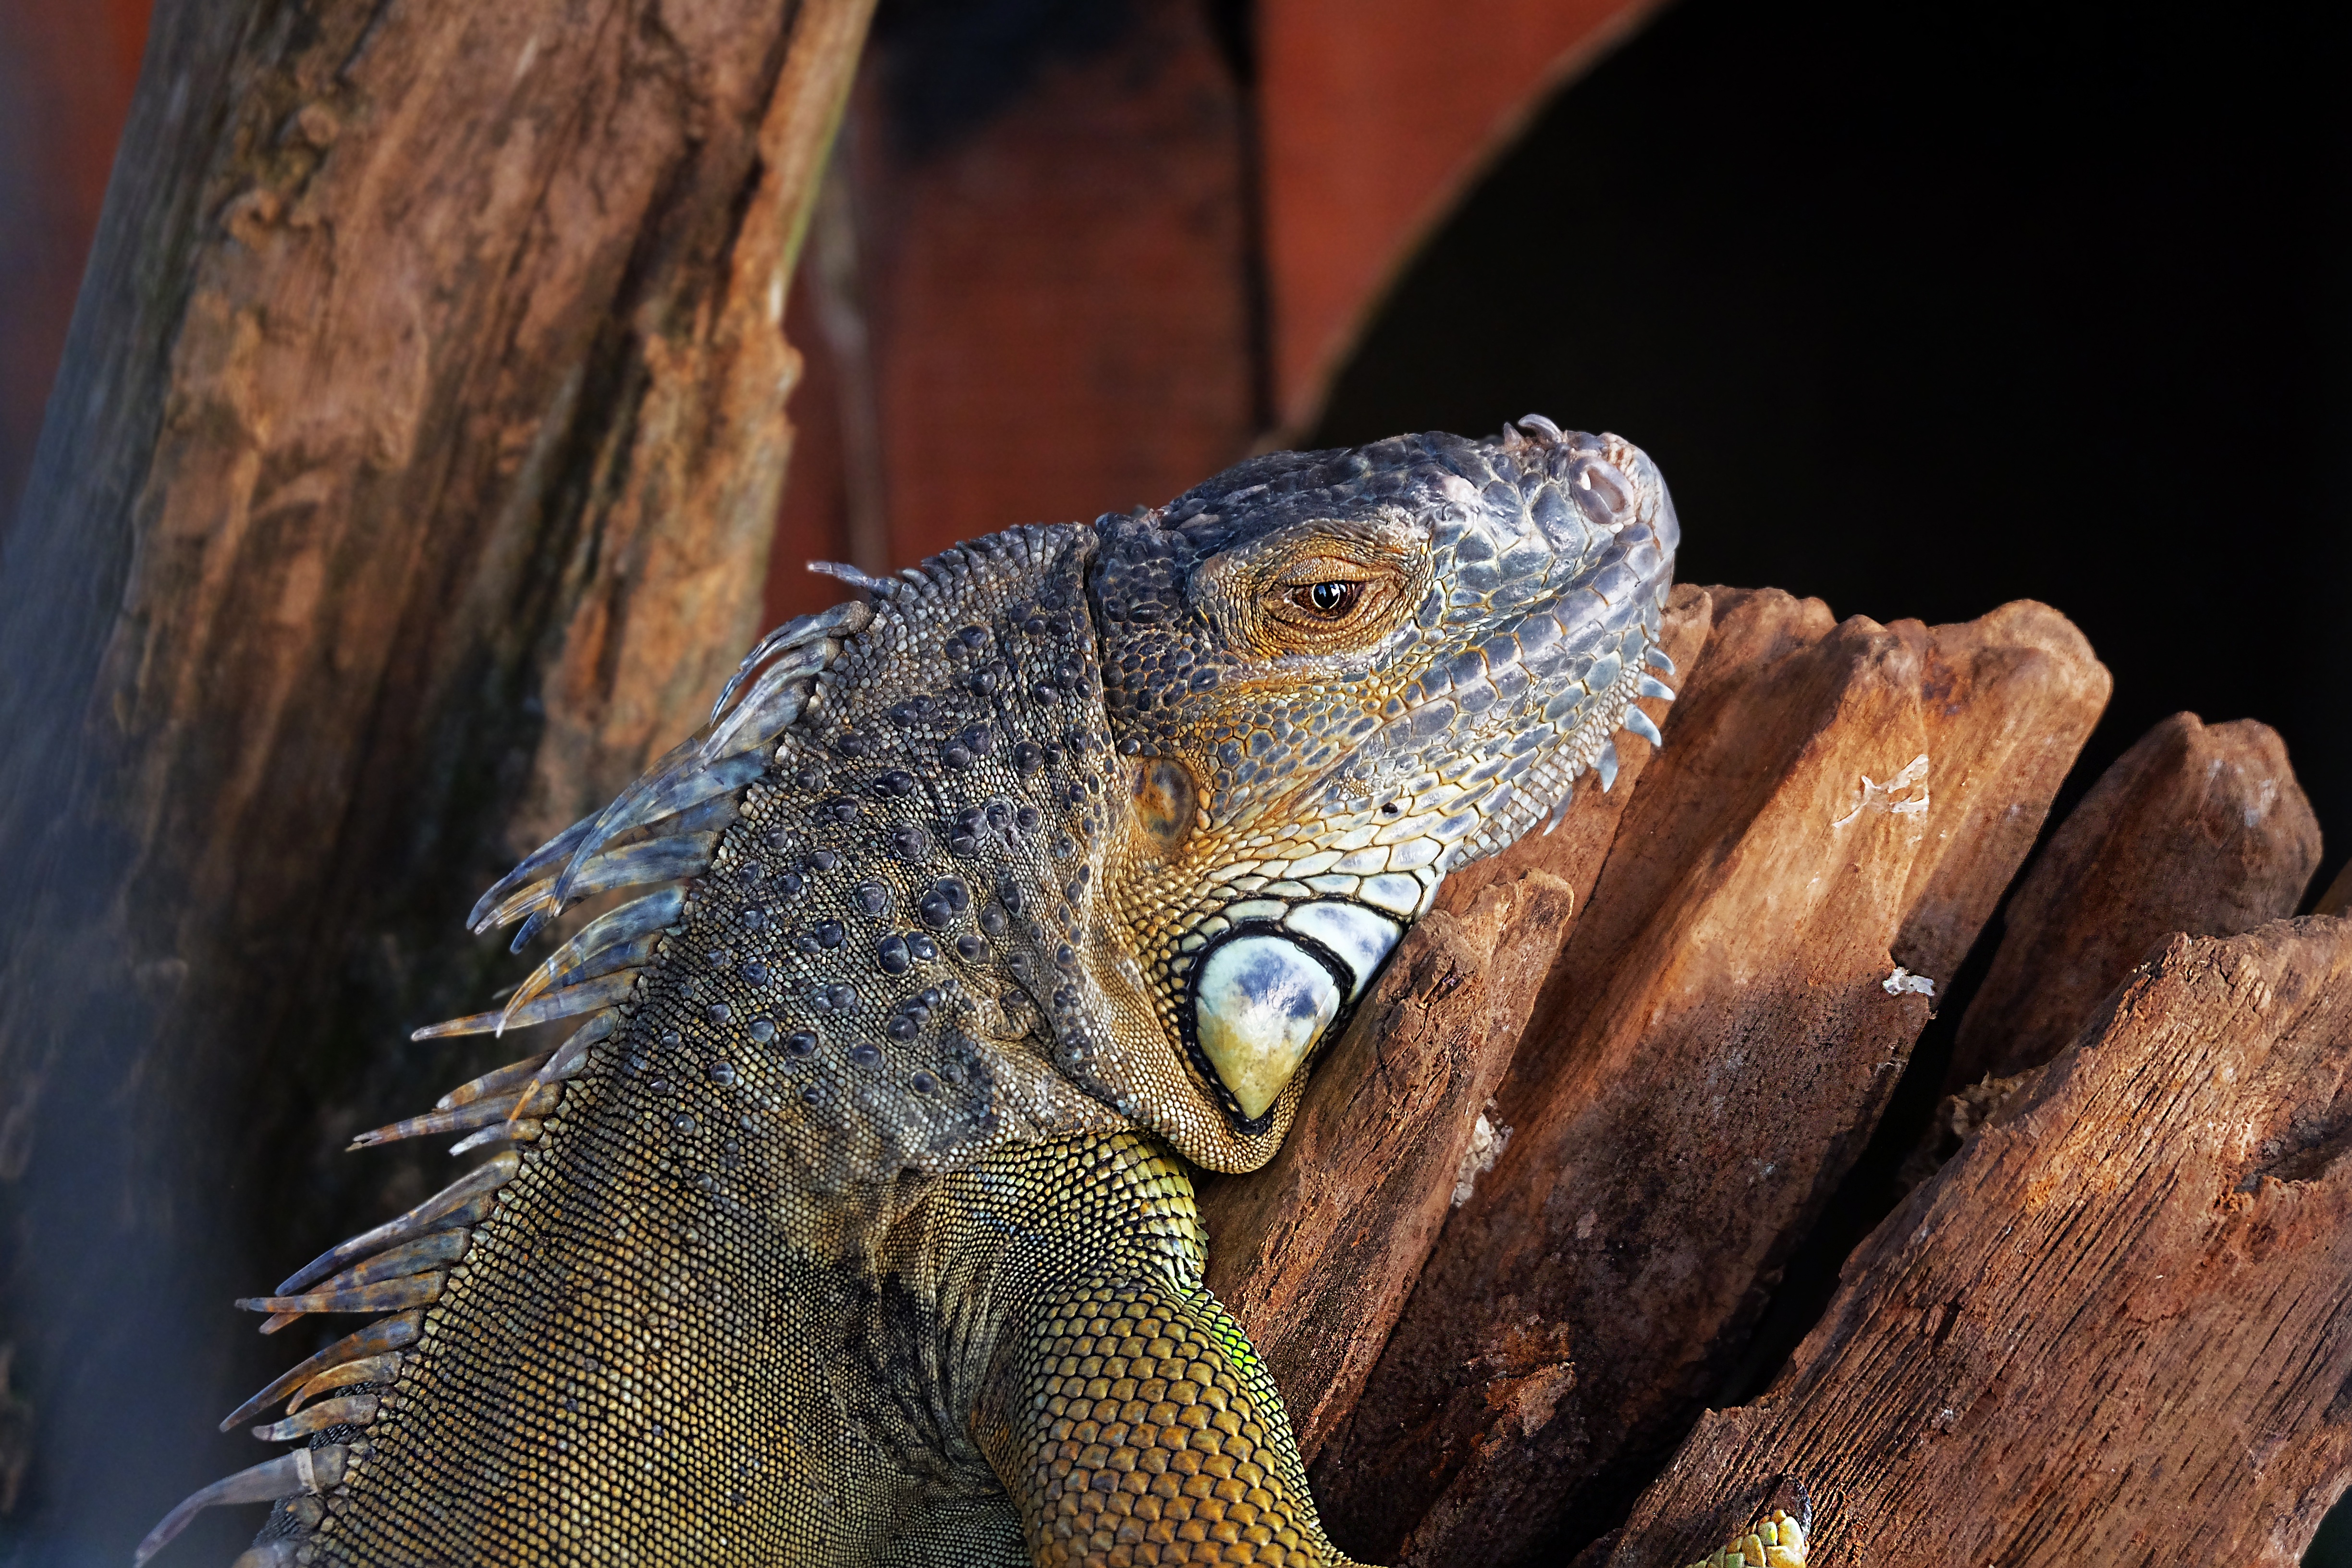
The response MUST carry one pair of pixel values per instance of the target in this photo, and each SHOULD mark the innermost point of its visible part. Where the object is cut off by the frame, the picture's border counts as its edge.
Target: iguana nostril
(1607, 486)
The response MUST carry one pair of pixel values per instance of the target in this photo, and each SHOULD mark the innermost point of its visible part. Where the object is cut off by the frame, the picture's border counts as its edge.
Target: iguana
(852, 1226)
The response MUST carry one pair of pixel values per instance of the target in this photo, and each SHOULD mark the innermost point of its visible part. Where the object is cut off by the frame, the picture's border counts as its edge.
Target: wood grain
(408, 480)
(2117, 1329)
(1713, 1049)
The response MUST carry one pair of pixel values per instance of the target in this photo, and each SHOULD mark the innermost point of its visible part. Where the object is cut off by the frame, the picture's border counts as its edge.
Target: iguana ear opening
(1167, 805)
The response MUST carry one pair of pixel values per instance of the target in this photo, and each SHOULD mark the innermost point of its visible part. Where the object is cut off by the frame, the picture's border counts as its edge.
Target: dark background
(1925, 307)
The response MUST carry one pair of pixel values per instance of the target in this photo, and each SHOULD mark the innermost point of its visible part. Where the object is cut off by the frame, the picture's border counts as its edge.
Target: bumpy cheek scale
(1362, 939)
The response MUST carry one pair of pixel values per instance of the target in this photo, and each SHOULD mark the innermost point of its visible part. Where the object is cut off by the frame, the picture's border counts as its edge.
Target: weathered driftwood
(2198, 828)
(1835, 812)
(1318, 1252)
(407, 478)
(2115, 1329)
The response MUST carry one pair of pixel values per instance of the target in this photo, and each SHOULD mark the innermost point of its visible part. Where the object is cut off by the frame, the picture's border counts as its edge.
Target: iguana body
(854, 1226)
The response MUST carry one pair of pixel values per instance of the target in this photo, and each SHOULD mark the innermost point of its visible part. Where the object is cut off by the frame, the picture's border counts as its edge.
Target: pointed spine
(622, 927)
(518, 1130)
(351, 1410)
(531, 1099)
(475, 1184)
(290, 1474)
(494, 1082)
(655, 860)
(381, 1369)
(568, 1002)
(389, 1334)
(392, 1295)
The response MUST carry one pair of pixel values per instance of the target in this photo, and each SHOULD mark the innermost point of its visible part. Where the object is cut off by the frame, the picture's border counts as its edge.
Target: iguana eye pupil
(1333, 599)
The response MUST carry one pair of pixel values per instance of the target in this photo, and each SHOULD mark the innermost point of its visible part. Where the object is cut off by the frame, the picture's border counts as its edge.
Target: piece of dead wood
(2198, 828)
(2115, 1329)
(405, 484)
(1714, 1047)
(1315, 1254)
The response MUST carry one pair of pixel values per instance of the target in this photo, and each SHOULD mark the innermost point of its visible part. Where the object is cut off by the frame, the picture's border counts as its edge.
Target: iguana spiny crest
(1073, 833)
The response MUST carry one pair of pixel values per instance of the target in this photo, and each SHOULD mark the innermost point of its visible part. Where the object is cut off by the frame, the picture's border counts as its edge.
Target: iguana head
(1339, 675)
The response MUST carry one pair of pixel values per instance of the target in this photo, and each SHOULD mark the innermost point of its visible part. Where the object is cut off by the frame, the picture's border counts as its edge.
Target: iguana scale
(852, 1226)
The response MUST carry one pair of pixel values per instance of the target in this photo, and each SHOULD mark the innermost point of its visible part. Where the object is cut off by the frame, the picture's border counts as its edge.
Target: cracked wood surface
(1706, 1059)
(2117, 1328)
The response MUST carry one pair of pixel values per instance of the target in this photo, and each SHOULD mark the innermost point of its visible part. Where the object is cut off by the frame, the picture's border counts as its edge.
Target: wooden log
(1711, 1053)
(1317, 1253)
(2198, 828)
(2118, 1327)
(407, 478)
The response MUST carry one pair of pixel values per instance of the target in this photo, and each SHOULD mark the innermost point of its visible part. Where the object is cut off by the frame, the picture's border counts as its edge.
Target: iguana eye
(1329, 600)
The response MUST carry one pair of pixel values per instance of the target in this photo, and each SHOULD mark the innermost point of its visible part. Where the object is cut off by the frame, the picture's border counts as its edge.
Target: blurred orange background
(1074, 257)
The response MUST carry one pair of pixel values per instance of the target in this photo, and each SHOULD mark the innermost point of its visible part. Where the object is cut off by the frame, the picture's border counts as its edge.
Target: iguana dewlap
(853, 1223)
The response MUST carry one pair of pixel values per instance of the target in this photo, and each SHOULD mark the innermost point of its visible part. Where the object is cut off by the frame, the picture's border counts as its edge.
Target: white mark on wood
(2265, 796)
(530, 53)
(1903, 983)
(1487, 1142)
(1875, 796)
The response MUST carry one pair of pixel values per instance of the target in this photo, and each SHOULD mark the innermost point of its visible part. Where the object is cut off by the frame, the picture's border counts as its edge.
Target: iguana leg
(1143, 1428)
(1123, 1409)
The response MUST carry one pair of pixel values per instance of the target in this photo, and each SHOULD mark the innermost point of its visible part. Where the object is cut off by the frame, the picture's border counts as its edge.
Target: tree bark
(2115, 1329)
(427, 373)
(2338, 899)
(1833, 816)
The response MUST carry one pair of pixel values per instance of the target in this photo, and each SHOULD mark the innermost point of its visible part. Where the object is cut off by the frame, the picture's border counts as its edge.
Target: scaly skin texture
(854, 1226)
